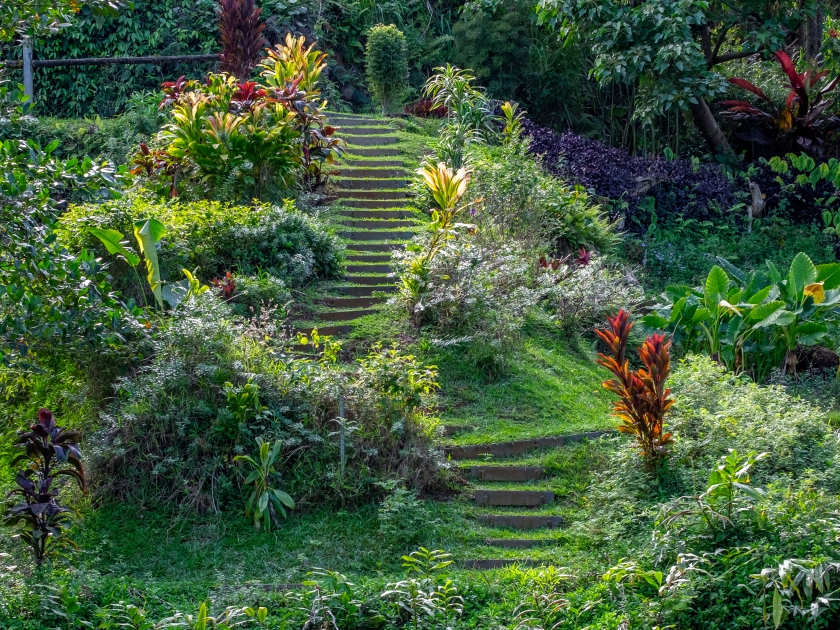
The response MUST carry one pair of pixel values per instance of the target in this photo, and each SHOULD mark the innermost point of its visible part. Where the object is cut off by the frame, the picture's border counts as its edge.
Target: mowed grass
(552, 386)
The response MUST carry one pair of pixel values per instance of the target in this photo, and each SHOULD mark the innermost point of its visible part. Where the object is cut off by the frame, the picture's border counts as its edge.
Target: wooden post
(28, 84)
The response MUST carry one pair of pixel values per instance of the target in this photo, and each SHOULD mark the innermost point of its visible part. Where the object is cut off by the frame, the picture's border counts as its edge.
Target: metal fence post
(28, 85)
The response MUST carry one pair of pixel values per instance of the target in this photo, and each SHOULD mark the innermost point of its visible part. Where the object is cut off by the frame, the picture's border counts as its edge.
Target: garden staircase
(520, 504)
(374, 219)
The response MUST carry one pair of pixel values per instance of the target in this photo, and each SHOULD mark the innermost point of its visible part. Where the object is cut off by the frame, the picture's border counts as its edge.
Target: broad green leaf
(760, 296)
(734, 271)
(716, 288)
(655, 321)
(802, 273)
(111, 239)
(810, 333)
(829, 275)
(766, 314)
(775, 274)
(284, 498)
(148, 233)
(778, 610)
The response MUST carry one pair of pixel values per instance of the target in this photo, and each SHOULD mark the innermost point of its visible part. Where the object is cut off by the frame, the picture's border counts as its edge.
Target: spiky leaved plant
(643, 398)
(241, 36)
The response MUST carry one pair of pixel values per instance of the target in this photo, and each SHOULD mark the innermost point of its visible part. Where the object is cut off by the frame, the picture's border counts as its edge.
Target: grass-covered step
(374, 224)
(369, 258)
(517, 543)
(368, 141)
(367, 291)
(368, 279)
(325, 330)
(351, 162)
(364, 130)
(379, 195)
(368, 269)
(377, 214)
(343, 316)
(521, 522)
(375, 235)
(507, 449)
(497, 563)
(351, 302)
(371, 184)
(381, 173)
(353, 121)
(372, 152)
(507, 473)
(514, 498)
(374, 204)
(374, 247)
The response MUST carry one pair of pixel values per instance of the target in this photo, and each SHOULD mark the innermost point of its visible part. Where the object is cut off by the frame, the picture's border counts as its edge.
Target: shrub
(253, 294)
(386, 60)
(403, 518)
(578, 296)
(643, 399)
(215, 237)
(241, 36)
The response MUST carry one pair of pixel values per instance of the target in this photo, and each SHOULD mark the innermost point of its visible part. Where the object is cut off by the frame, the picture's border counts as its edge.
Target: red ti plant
(804, 117)
(241, 34)
(49, 453)
(643, 398)
(226, 286)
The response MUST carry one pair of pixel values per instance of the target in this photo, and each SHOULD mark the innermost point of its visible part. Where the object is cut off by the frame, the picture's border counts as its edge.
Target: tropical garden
(492, 314)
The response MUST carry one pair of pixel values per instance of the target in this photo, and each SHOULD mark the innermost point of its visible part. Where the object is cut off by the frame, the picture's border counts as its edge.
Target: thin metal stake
(341, 430)
(28, 86)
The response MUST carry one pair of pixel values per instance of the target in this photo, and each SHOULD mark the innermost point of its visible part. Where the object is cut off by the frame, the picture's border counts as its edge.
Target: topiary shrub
(386, 57)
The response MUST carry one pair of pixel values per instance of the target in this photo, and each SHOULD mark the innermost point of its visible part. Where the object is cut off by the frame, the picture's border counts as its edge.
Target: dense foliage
(386, 64)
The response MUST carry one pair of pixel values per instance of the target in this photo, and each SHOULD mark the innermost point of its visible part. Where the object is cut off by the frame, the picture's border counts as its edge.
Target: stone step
(343, 316)
(367, 141)
(364, 130)
(351, 163)
(376, 236)
(373, 152)
(514, 498)
(383, 280)
(350, 119)
(351, 302)
(506, 449)
(507, 473)
(374, 247)
(367, 291)
(500, 563)
(516, 543)
(368, 269)
(384, 195)
(371, 258)
(377, 214)
(373, 224)
(374, 204)
(341, 329)
(520, 522)
(380, 173)
(371, 184)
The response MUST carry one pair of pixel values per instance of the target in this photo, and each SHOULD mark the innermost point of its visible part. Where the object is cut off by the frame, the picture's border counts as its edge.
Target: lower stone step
(371, 184)
(372, 224)
(367, 141)
(364, 130)
(374, 247)
(520, 522)
(343, 316)
(500, 563)
(507, 473)
(516, 543)
(377, 214)
(371, 258)
(374, 204)
(383, 280)
(351, 163)
(376, 236)
(368, 269)
(367, 291)
(372, 152)
(330, 331)
(514, 498)
(506, 449)
(380, 173)
(352, 302)
(380, 195)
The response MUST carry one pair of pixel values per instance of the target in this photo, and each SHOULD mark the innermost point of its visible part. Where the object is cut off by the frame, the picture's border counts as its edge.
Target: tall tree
(675, 49)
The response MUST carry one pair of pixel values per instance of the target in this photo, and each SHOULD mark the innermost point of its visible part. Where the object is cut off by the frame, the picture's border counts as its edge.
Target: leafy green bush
(215, 237)
(386, 59)
(403, 518)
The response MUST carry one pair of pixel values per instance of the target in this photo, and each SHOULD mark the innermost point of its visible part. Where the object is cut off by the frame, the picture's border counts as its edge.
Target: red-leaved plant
(643, 398)
(241, 36)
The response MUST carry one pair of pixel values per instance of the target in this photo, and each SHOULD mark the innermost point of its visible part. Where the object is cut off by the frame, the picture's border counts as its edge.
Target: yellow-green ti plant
(512, 118)
(265, 501)
(447, 187)
(290, 60)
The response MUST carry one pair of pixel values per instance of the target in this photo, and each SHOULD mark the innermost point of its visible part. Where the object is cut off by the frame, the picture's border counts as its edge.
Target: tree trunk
(811, 32)
(708, 127)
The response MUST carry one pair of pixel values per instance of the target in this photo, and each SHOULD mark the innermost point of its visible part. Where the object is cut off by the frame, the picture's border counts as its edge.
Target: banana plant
(265, 500)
